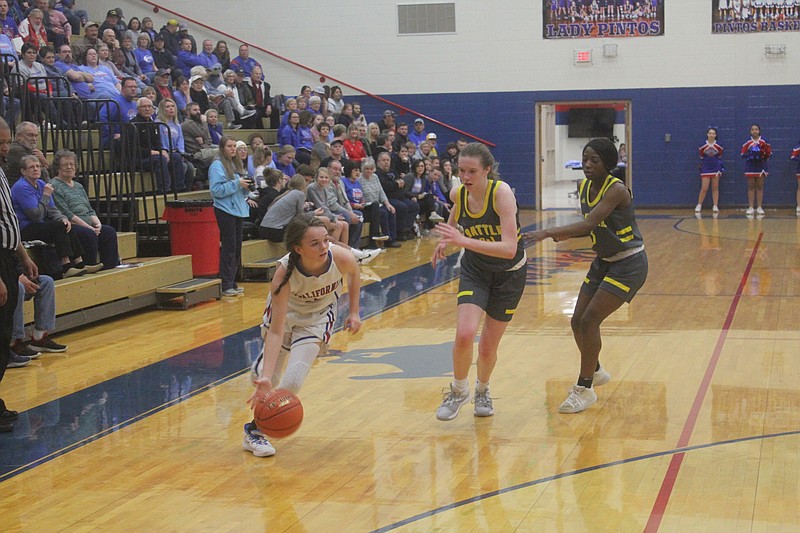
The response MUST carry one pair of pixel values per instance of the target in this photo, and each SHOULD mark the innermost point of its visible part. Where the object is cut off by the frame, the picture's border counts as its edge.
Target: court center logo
(411, 362)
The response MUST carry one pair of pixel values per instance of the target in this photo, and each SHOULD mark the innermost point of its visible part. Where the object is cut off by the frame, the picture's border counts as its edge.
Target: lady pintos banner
(582, 19)
(754, 16)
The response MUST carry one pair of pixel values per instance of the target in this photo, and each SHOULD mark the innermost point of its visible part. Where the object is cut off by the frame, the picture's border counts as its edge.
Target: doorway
(563, 128)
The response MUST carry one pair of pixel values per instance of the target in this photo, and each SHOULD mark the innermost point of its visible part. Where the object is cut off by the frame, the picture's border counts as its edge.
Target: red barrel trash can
(193, 231)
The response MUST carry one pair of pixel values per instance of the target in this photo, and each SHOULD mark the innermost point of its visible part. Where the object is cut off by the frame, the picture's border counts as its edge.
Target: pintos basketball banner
(754, 16)
(585, 19)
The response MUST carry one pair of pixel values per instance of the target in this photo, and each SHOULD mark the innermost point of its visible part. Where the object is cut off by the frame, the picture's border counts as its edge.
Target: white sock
(461, 385)
(481, 387)
(38, 335)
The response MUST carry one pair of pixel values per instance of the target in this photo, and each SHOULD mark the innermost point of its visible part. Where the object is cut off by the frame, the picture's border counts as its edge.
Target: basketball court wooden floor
(138, 426)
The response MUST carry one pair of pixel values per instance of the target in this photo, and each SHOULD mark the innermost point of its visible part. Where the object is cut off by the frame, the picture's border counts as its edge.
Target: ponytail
(290, 264)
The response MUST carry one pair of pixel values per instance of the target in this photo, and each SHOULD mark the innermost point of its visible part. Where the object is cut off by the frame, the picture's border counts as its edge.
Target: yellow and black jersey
(485, 226)
(618, 231)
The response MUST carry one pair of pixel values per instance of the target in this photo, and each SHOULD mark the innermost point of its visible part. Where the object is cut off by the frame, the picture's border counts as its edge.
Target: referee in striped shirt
(12, 255)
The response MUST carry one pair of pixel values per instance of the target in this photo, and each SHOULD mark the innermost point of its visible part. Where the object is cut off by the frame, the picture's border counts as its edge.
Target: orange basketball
(279, 413)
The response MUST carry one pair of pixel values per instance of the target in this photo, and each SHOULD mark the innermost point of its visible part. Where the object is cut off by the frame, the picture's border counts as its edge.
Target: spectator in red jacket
(353, 146)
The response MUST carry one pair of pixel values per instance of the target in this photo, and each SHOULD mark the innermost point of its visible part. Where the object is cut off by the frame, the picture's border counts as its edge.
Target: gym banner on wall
(754, 16)
(586, 19)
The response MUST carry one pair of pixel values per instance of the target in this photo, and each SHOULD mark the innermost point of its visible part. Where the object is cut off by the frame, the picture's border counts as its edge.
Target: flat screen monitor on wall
(589, 122)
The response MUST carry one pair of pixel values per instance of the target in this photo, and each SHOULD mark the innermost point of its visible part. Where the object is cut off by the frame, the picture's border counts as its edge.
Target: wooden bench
(85, 299)
(254, 270)
(190, 292)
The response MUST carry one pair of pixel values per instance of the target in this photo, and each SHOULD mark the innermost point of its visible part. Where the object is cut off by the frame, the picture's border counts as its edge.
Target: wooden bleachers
(126, 244)
(261, 270)
(187, 293)
(258, 249)
(108, 293)
(259, 260)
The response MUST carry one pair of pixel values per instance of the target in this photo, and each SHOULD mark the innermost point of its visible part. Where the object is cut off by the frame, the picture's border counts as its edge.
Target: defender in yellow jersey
(493, 272)
(616, 274)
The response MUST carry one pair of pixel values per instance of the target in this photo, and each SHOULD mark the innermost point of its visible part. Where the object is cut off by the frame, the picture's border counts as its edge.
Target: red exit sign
(583, 56)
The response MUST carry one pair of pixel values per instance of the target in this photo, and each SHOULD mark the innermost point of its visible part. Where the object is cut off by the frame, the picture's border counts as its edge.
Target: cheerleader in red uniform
(756, 152)
(710, 170)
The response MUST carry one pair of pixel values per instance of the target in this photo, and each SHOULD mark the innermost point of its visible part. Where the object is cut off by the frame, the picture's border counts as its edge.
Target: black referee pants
(10, 277)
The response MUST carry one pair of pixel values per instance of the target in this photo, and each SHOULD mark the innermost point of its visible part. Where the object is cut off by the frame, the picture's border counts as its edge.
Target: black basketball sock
(585, 382)
(597, 367)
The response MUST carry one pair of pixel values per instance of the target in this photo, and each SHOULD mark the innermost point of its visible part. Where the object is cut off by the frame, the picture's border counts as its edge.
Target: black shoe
(20, 347)
(18, 361)
(6, 414)
(46, 344)
(392, 244)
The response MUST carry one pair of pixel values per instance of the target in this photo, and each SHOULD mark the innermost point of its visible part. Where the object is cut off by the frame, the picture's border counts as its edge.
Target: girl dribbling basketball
(301, 314)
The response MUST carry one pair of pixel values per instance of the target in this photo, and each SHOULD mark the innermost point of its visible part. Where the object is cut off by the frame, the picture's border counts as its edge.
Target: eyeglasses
(68, 164)
(31, 167)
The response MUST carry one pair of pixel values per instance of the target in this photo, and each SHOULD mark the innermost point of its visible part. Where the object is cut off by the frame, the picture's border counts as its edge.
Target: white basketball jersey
(313, 294)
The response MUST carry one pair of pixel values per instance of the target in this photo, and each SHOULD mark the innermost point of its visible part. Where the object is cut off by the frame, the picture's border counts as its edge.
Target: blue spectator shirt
(289, 135)
(228, 195)
(186, 60)
(26, 196)
(176, 133)
(8, 27)
(105, 83)
(245, 64)
(124, 112)
(80, 87)
(145, 60)
(286, 169)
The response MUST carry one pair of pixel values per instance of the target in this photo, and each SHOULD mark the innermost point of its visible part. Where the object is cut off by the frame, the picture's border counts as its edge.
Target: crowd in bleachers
(51, 209)
(164, 103)
(198, 92)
